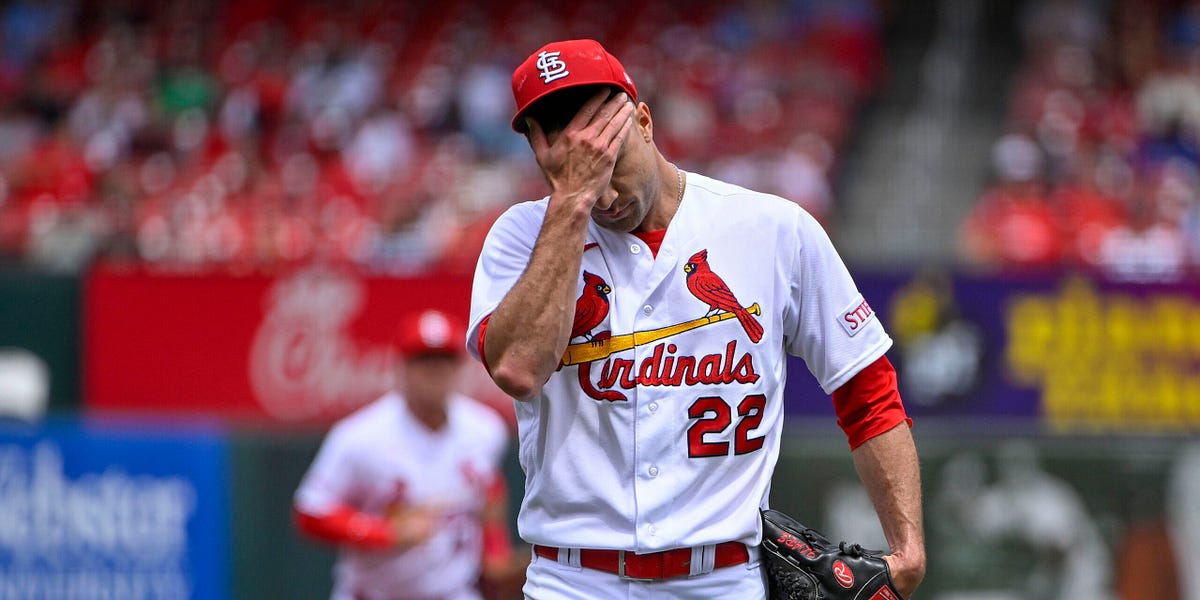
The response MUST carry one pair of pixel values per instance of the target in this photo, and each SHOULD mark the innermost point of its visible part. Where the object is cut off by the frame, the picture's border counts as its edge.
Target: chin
(625, 224)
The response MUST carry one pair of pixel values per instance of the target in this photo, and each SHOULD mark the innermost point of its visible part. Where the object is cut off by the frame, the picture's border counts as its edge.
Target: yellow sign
(1108, 361)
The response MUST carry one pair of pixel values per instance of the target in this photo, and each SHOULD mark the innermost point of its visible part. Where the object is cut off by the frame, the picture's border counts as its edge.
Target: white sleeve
(330, 479)
(499, 443)
(506, 252)
(828, 323)
(490, 434)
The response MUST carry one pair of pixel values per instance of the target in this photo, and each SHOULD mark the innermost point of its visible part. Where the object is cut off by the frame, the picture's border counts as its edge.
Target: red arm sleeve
(347, 526)
(869, 404)
(482, 332)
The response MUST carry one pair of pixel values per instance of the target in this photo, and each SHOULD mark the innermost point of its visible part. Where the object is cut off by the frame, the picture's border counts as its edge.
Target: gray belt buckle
(621, 569)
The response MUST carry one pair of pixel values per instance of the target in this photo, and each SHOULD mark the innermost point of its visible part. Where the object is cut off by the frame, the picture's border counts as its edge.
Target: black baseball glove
(803, 565)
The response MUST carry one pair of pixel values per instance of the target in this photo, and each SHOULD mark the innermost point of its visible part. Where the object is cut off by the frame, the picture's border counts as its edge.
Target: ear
(644, 122)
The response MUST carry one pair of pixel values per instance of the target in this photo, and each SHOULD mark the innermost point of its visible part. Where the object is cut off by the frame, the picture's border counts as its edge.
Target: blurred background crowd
(190, 136)
(195, 135)
(1100, 165)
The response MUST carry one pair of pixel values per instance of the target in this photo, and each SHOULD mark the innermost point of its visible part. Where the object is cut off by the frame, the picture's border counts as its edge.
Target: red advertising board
(304, 346)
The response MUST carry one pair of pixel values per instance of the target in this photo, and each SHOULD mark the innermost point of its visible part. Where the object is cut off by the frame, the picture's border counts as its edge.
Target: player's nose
(607, 198)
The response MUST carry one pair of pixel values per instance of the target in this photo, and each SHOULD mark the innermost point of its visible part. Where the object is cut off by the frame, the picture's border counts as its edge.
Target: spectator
(1147, 250)
(1086, 208)
(1014, 225)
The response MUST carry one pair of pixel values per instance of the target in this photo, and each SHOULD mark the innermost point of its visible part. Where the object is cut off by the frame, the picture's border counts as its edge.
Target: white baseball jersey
(381, 458)
(671, 439)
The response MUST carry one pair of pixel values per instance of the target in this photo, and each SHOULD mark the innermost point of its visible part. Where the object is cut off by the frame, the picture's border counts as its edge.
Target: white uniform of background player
(384, 462)
(671, 442)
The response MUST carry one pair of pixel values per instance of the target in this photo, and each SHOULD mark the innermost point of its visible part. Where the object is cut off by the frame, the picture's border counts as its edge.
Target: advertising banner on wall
(305, 346)
(91, 511)
(1065, 352)
(1069, 353)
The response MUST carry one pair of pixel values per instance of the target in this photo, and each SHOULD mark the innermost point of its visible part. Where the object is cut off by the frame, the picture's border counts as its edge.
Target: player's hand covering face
(578, 161)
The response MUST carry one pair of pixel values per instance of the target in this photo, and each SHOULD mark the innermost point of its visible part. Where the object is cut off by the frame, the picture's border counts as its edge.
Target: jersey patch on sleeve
(854, 318)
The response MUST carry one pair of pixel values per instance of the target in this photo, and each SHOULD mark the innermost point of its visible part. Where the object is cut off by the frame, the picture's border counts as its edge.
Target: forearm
(497, 542)
(529, 330)
(888, 466)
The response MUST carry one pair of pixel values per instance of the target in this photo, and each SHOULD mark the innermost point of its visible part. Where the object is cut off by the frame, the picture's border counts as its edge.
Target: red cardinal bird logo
(711, 289)
(592, 306)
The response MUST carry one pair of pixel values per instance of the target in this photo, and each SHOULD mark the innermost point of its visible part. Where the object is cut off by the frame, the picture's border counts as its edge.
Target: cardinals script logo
(664, 366)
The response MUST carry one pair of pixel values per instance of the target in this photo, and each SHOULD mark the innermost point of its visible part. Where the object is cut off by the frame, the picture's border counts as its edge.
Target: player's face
(429, 379)
(633, 189)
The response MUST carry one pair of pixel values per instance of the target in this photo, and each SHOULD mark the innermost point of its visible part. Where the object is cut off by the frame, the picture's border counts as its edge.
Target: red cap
(429, 332)
(560, 65)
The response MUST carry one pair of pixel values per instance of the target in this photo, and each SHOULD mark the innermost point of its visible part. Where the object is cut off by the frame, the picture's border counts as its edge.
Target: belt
(656, 565)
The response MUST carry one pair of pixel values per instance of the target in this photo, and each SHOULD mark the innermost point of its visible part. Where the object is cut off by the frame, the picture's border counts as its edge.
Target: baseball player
(640, 315)
(409, 486)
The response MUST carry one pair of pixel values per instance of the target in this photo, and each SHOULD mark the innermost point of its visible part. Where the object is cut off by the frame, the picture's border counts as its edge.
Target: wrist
(907, 568)
(911, 556)
(573, 207)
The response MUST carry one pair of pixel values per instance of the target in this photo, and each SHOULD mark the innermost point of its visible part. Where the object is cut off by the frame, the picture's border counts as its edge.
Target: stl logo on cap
(428, 332)
(551, 66)
(434, 330)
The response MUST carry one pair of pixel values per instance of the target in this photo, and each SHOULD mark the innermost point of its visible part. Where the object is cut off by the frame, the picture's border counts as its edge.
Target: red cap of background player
(560, 65)
(429, 332)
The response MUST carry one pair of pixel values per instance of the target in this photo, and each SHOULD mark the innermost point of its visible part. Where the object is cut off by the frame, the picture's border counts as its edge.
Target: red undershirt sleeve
(869, 404)
(347, 526)
(483, 331)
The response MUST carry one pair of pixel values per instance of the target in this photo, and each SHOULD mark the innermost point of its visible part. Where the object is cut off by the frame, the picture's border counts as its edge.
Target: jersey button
(636, 249)
(652, 530)
(654, 471)
(647, 309)
(653, 407)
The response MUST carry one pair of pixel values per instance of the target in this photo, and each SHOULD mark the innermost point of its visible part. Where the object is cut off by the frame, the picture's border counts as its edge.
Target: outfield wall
(1057, 419)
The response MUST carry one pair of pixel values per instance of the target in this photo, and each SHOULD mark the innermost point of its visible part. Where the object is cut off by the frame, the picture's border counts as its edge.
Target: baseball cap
(429, 332)
(561, 65)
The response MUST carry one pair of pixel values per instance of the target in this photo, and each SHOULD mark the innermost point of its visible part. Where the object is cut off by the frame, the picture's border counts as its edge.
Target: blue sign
(120, 511)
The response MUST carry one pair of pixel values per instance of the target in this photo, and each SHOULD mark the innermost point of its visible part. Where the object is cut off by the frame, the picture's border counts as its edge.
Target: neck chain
(679, 177)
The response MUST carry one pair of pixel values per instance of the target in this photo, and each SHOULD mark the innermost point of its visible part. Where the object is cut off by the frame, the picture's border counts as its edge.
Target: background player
(409, 487)
(649, 442)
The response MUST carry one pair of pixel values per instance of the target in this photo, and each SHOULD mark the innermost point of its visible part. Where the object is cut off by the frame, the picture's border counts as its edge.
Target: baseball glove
(803, 565)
